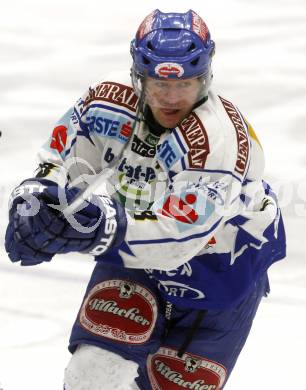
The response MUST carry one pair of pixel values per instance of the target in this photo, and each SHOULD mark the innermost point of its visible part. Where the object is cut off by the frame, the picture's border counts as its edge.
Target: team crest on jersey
(168, 371)
(119, 310)
(168, 69)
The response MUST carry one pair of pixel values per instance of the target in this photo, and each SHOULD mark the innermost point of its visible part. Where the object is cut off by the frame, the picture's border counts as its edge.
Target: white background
(50, 51)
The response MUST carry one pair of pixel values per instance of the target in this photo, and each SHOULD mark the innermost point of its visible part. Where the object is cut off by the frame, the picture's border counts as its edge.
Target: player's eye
(162, 85)
(184, 85)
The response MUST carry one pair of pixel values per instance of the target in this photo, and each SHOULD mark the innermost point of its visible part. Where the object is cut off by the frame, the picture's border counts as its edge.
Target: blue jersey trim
(165, 240)
(179, 141)
(109, 109)
(72, 143)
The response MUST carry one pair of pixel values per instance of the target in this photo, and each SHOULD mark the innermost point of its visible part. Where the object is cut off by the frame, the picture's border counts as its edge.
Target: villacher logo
(119, 310)
(168, 371)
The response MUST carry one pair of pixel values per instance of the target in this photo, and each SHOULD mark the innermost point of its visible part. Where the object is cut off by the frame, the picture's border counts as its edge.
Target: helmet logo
(146, 25)
(167, 69)
(199, 26)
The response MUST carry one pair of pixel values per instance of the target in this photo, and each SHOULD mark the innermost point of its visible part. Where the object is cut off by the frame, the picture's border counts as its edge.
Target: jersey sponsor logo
(141, 148)
(119, 310)
(180, 290)
(137, 185)
(168, 154)
(108, 127)
(166, 69)
(152, 139)
(102, 125)
(187, 209)
(173, 288)
(137, 172)
(146, 25)
(196, 138)
(59, 138)
(179, 209)
(199, 27)
(115, 93)
(126, 130)
(168, 371)
(216, 191)
(242, 136)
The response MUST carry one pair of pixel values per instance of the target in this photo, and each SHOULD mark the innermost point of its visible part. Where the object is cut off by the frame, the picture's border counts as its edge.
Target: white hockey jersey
(200, 219)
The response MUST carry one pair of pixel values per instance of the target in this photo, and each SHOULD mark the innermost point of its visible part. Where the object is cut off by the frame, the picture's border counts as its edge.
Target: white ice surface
(50, 51)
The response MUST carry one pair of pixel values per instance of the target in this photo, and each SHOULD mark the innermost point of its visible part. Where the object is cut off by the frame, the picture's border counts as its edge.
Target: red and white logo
(199, 27)
(126, 129)
(167, 69)
(59, 138)
(180, 209)
(146, 25)
(168, 371)
(120, 310)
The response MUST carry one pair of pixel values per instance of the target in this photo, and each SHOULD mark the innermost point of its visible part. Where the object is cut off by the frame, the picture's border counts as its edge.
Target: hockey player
(180, 222)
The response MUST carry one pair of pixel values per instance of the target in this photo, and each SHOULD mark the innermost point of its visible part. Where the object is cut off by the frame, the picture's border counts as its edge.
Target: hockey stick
(84, 194)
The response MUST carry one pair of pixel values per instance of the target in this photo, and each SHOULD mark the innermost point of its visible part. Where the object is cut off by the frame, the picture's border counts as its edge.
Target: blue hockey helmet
(172, 46)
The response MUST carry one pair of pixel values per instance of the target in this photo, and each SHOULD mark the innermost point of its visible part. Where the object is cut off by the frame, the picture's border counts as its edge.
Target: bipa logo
(180, 209)
(167, 69)
(59, 138)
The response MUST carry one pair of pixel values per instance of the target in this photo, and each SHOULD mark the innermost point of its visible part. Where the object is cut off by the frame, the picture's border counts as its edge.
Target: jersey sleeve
(57, 148)
(71, 154)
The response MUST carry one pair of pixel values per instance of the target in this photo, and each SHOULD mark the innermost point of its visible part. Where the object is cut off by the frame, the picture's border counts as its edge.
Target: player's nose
(171, 98)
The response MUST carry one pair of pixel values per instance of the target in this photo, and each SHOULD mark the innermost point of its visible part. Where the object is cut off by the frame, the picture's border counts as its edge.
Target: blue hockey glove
(37, 231)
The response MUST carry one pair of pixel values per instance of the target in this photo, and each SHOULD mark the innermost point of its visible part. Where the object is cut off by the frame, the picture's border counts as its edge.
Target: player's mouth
(169, 111)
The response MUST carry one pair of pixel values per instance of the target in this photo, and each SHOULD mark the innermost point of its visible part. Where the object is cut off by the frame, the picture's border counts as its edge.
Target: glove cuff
(112, 230)
(27, 188)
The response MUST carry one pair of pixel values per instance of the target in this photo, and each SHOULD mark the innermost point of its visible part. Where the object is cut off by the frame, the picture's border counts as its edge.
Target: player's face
(171, 100)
